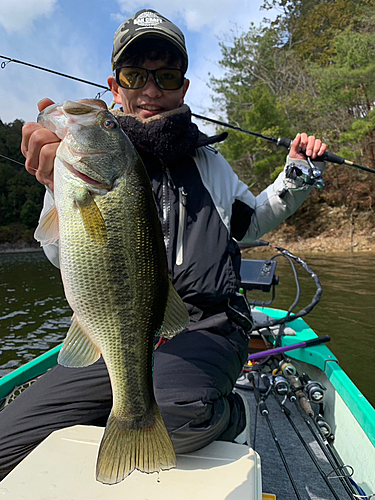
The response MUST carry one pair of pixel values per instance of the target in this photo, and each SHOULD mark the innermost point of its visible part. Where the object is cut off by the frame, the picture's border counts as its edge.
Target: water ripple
(13, 314)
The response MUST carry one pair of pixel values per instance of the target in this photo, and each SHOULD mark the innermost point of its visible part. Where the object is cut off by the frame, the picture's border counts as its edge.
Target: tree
(308, 26)
(248, 94)
(348, 86)
(21, 196)
(309, 70)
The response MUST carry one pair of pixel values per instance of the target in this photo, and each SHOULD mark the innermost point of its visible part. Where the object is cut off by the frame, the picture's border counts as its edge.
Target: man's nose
(151, 89)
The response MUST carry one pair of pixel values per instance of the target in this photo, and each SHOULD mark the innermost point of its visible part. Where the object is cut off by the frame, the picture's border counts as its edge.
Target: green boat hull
(346, 409)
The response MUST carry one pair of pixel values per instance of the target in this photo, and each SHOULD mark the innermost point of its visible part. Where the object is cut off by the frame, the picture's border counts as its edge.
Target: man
(203, 208)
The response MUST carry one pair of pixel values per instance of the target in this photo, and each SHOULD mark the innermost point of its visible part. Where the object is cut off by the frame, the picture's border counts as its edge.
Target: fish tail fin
(127, 446)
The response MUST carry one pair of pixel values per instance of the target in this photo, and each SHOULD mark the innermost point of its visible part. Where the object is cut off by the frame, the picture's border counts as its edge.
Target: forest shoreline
(326, 242)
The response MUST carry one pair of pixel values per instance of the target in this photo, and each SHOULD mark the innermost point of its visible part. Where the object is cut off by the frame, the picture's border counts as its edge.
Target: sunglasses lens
(131, 78)
(169, 79)
(136, 78)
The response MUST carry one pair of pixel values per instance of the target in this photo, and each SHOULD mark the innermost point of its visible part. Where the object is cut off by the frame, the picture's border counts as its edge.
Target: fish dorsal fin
(47, 231)
(176, 317)
(92, 217)
(78, 350)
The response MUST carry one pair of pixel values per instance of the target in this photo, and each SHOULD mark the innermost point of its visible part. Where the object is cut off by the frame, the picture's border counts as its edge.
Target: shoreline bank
(8, 248)
(326, 242)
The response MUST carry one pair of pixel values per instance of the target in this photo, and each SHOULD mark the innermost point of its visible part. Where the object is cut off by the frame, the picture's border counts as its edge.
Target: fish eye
(110, 124)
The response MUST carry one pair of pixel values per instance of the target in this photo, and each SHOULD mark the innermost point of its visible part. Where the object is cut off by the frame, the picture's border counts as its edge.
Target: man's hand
(39, 147)
(304, 145)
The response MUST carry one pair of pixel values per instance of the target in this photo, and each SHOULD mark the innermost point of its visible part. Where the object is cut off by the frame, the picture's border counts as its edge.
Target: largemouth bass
(114, 271)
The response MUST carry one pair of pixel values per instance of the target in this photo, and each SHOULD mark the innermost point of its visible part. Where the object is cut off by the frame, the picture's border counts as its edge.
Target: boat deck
(63, 467)
(308, 481)
(353, 426)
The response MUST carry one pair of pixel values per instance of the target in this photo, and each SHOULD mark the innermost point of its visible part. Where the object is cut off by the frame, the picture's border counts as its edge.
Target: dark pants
(194, 374)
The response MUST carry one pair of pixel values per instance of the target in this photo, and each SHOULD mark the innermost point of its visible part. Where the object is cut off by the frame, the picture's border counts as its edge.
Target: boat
(312, 432)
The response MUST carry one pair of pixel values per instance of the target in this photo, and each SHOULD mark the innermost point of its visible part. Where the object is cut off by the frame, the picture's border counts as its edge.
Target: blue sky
(75, 37)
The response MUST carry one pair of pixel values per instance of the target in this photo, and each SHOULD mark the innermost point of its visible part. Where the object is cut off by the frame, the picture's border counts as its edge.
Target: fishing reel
(305, 176)
(314, 390)
(324, 427)
(287, 369)
(279, 384)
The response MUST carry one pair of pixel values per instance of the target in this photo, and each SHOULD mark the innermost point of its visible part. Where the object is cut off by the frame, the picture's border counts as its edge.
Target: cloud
(204, 24)
(18, 16)
(72, 42)
(215, 16)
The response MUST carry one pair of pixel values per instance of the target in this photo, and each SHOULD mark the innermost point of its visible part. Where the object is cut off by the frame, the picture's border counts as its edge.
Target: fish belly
(117, 288)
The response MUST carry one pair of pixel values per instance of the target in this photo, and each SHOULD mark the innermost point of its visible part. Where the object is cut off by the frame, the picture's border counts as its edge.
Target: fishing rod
(263, 410)
(302, 402)
(280, 350)
(11, 159)
(313, 458)
(286, 143)
(323, 445)
(302, 390)
(4, 64)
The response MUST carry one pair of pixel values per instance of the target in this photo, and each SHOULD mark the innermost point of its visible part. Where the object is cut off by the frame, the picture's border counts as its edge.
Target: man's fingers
(44, 103)
(316, 148)
(40, 138)
(304, 145)
(27, 130)
(310, 146)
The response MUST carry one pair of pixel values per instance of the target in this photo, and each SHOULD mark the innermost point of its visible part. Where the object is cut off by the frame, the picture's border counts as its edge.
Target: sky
(75, 37)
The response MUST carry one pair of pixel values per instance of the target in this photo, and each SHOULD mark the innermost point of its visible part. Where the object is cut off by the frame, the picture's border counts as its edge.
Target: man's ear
(184, 90)
(113, 85)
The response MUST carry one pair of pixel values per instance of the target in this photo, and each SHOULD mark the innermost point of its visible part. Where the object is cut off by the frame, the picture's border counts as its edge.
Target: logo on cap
(147, 19)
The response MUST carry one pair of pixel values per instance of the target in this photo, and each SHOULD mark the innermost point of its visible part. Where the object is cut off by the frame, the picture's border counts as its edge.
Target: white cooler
(63, 468)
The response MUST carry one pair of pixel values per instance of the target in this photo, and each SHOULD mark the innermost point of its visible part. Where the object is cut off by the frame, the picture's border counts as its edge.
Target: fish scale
(114, 271)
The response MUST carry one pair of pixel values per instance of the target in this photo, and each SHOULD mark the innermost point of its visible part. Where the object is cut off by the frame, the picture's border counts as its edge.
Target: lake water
(34, 315)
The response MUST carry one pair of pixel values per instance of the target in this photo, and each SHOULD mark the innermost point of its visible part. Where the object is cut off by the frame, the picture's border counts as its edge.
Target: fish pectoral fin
(47, 231)
(92, 217)
(176, 317)
(78, 350)
(130, 445)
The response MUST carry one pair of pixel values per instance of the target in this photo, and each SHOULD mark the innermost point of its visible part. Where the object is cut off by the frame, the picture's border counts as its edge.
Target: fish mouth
(84, 177)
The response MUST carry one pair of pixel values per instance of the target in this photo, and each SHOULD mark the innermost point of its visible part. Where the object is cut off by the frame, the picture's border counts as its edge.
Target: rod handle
(286, 143)
(319, 340)
(333, 158)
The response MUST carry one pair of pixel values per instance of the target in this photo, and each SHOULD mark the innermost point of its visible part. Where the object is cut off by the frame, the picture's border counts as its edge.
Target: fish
(115, 275)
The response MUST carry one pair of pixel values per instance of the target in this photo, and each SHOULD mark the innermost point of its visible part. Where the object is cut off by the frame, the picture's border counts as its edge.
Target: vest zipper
(182, 194)
(166, 205)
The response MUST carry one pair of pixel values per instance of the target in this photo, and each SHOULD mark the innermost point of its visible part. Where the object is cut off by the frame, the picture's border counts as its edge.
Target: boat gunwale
(318, 355)
(321, 357)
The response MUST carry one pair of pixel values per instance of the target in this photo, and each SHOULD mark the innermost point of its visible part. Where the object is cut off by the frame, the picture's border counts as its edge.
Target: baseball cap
(150, 23)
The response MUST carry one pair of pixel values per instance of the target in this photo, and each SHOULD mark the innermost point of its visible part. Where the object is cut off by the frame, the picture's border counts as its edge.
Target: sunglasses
(130, 77)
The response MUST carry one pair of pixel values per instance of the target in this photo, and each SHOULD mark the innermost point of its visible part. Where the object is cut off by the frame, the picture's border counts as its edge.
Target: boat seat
(63, 467)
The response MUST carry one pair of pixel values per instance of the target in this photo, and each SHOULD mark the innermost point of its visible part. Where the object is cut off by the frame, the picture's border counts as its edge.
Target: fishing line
(18, 162)
(14, 161)
(286, 143)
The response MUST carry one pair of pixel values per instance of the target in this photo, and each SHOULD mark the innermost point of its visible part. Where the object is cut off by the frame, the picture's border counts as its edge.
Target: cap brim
(150, 34)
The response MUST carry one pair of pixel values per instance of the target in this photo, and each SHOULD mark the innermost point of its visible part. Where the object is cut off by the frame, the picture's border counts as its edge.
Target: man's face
(149, 100)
